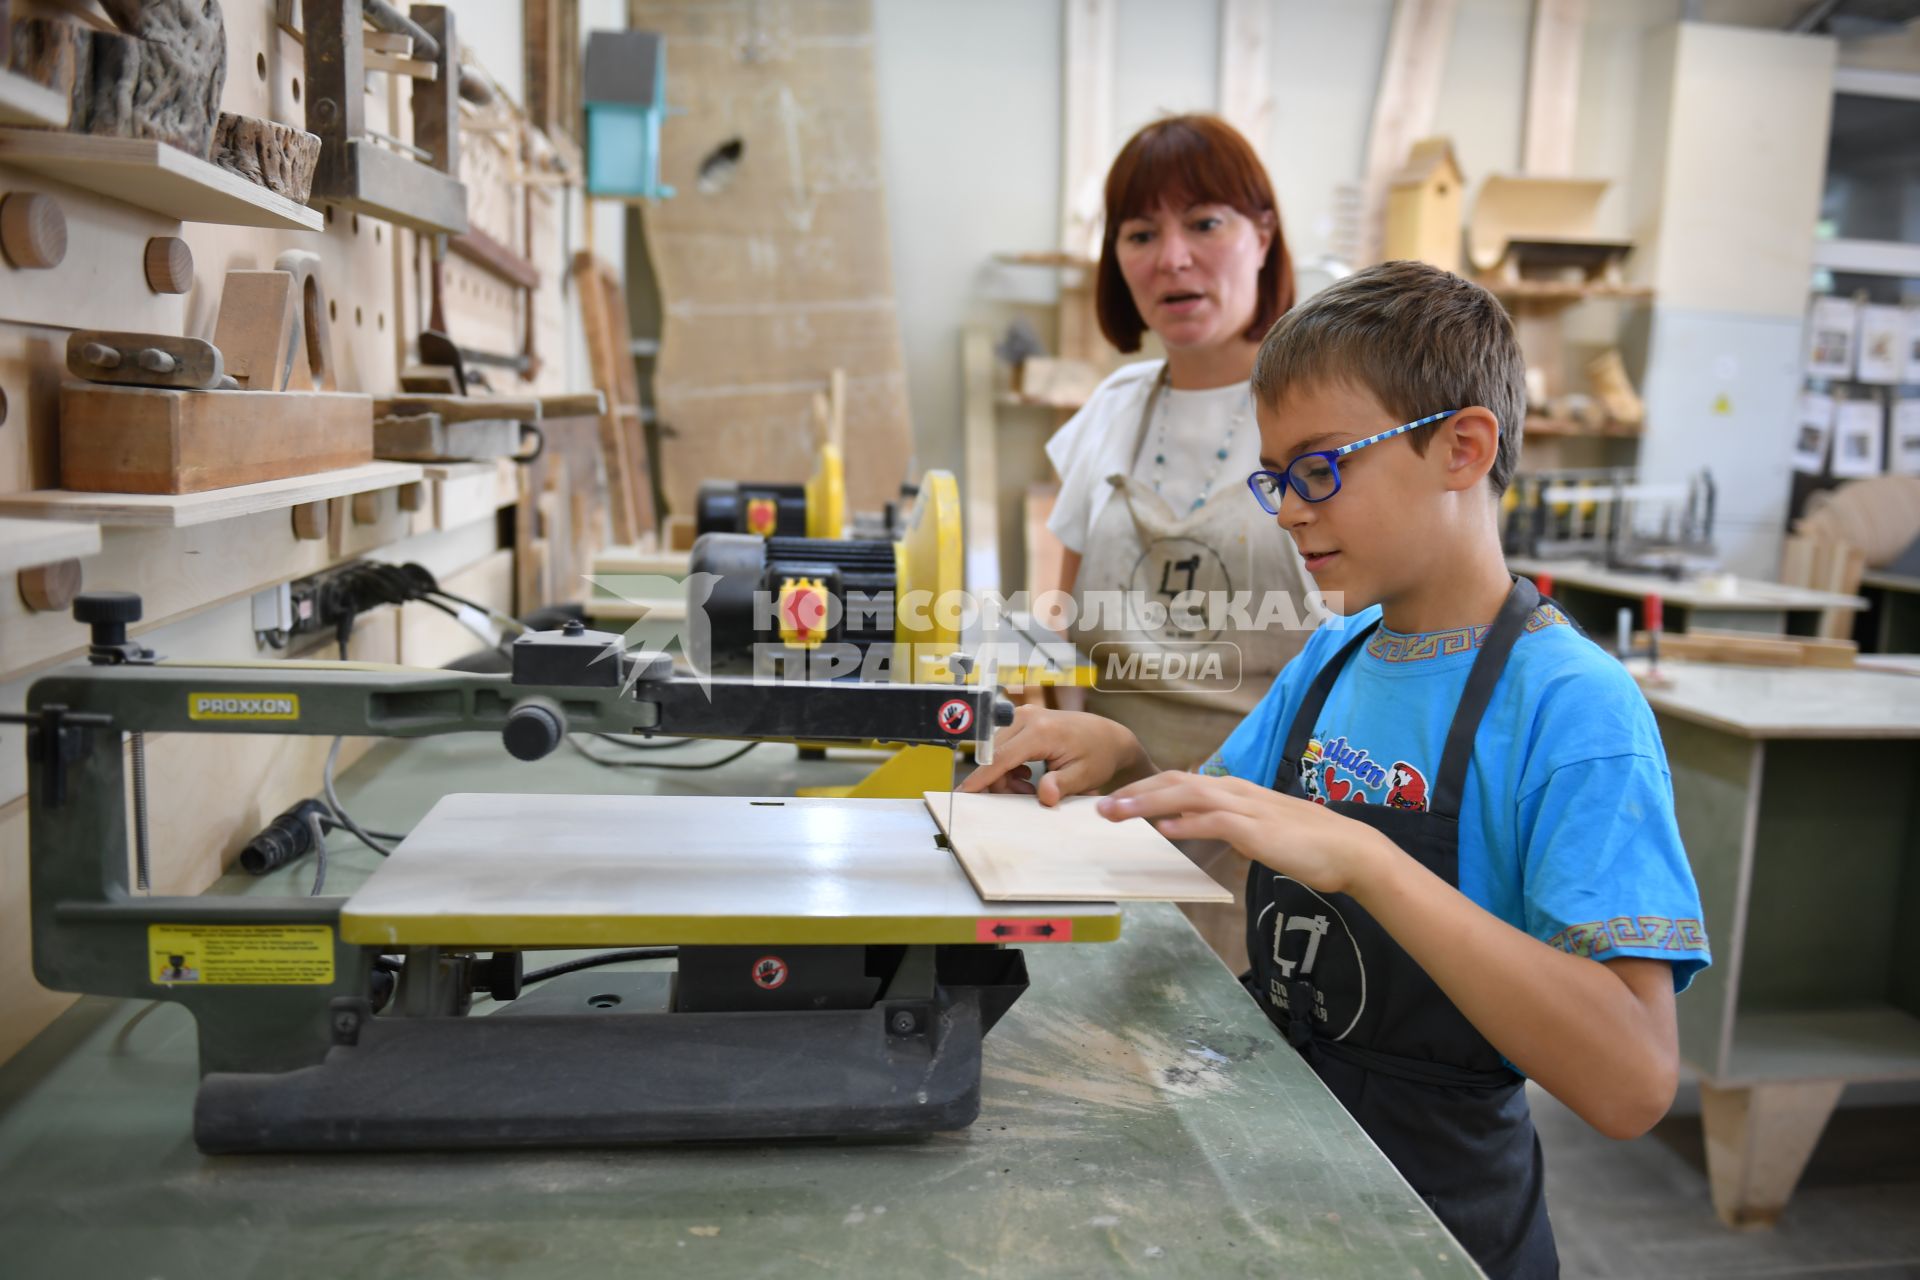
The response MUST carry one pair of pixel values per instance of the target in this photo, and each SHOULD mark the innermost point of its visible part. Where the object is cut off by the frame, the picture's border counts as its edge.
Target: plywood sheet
(1015, 849)
(780, 274)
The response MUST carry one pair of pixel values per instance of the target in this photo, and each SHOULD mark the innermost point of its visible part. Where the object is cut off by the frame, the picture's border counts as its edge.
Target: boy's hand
(1082, 753)
(1298, 838)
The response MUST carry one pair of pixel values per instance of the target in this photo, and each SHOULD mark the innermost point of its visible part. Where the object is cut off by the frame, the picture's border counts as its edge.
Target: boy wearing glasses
(1465, 865)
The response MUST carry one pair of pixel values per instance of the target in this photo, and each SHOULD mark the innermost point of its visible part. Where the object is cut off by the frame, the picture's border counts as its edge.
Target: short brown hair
(1418, 339)
(1187, 160)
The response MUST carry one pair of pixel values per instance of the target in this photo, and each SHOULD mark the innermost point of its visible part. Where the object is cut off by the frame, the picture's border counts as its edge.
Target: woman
(1153, 499)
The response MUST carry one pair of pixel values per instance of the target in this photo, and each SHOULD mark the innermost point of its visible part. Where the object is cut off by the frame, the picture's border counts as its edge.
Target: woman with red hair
(1153, 512)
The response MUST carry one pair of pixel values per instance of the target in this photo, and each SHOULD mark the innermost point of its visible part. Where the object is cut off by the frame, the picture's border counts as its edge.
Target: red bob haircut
(1183, 161)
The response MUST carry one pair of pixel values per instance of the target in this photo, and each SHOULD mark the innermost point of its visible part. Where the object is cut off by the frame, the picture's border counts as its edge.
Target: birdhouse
(625, 93)
(1424, 205)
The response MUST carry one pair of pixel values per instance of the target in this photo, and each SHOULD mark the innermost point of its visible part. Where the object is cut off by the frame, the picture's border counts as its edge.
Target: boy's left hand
(1297, 838)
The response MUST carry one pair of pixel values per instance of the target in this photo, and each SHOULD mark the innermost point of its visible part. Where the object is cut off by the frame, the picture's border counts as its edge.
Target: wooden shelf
(1538, 425)
(26, 543)
(1564, 292)
(1856, 1045)
(175, 511)
(153, 175)
(22, 101)
(1047, 259)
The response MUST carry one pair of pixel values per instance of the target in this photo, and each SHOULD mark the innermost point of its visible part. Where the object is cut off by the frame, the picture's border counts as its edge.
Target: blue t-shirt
(1567, 829)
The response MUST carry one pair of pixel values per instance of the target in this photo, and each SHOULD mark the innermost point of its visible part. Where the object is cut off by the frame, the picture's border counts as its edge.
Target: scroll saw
(836, 970)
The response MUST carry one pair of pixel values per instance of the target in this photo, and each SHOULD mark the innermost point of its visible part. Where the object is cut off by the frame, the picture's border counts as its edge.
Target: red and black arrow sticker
(1024, 931)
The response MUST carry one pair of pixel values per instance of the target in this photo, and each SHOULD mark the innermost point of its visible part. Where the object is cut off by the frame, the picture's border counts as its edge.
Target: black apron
(1426, 1086)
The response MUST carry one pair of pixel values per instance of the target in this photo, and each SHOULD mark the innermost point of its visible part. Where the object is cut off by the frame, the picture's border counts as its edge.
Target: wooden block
(464, 498)
(169, 265)
(254, 329)
(310, 522)
(161, 79)
(366, 507)
(577, 404)
(143, 360)
(33, 231)
(412, 496)
(426, 438)
(387, 42)
(277, 156)
(50, 588)
(1014, 849)
(143, 440)
(461, 408)
(429, 379)
(304, 266)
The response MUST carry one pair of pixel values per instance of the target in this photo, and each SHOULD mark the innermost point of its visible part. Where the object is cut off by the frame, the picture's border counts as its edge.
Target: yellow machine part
(929, 562)
(827, 495)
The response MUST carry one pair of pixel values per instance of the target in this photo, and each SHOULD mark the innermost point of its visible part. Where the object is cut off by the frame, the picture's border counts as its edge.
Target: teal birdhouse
(626, 96)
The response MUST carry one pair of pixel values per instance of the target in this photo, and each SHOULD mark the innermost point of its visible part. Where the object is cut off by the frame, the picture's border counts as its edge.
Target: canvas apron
(1422, 1081)
(1140, 547)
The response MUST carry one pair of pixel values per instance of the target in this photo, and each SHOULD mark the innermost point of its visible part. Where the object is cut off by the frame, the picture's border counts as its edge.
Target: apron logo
(1174, 588)
(1308, 951)
(243, 706)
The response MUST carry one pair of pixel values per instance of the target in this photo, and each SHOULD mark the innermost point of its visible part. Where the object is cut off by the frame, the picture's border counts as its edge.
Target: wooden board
(462, 408)
(26, 543)
(154, 176)
(22, 101)
(1756, 649)
(175, 511)
(784, 274)
(591, 870)
(603, 315)
(1015, 849)
(146, 440)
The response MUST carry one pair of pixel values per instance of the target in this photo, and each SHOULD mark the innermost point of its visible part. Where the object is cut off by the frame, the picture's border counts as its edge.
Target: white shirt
(1096, 441)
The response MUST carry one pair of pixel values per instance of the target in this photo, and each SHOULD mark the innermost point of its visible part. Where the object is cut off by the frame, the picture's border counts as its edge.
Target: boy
(1454, 803)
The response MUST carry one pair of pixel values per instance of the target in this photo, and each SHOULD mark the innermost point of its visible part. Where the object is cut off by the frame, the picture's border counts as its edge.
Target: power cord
(694, 767)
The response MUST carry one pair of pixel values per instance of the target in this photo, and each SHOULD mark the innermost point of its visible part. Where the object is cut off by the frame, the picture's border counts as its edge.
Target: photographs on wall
(1831, 329)
(1883, 345)
(1811, 432)
(1906, 438)
(1857, 438)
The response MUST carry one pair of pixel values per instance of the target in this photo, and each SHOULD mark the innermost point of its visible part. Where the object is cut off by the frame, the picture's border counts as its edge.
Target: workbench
(1140, 1115)
(1593, 595)
(1796, 797)
(1895, 600)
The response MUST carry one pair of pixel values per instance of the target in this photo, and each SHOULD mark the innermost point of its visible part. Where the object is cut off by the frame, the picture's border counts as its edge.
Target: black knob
(108, 613)
(532, 731)
(1002, 712)
(499, 975)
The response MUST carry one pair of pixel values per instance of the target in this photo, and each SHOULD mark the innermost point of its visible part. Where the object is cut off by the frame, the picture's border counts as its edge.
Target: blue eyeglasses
(1316, 476)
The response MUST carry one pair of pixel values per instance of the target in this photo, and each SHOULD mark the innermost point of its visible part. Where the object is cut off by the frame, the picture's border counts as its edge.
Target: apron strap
(1507, 629)
(1310, 705)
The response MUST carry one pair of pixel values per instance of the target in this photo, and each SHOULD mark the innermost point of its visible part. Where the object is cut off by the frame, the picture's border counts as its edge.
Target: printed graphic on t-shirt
(1333, 770)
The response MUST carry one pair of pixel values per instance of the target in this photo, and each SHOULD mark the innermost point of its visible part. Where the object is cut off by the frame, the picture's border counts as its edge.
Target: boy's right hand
(1082, 752)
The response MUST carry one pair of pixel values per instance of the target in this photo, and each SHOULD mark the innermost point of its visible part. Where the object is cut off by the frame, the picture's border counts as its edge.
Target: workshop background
(756, 227)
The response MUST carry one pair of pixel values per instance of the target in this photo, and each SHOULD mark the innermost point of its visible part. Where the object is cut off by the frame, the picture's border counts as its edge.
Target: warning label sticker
(240, 954)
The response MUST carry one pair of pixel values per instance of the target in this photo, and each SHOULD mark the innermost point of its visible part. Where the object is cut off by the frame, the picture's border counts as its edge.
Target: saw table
(1139, 1116)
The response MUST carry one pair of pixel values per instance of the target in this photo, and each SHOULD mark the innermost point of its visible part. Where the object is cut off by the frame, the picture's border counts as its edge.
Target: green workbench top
(1139, 1115)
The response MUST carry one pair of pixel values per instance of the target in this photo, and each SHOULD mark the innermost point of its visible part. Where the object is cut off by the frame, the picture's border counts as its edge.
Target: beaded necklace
(1160, 441)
